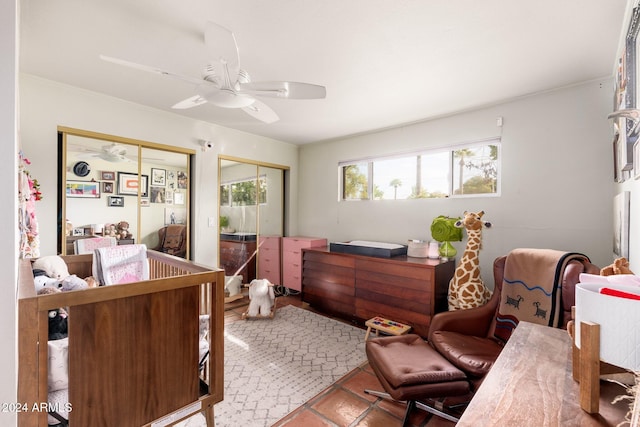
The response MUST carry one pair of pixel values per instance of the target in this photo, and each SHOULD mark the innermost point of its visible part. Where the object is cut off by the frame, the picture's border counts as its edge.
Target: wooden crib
(133, 349)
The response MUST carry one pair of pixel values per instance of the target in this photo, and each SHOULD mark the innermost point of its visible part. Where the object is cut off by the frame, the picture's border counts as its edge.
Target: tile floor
(344, 403)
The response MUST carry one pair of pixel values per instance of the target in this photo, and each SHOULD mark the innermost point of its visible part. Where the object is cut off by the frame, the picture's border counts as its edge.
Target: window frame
(450, 150)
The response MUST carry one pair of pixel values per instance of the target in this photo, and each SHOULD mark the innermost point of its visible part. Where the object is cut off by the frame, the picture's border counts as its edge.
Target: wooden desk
(531, 384)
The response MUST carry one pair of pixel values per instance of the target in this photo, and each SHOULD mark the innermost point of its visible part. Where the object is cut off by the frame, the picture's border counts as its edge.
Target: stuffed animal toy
(92, 282)
(72, 283)
(58, 318)
(110, 230)
(44, 282)
(122, 230)
(53, 266)
(619, 266)
(262, 297)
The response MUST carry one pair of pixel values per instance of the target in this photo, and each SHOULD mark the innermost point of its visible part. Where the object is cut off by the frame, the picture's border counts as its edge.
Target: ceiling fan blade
(194, 101)
(151, 69)
(222, 46)
(262, 112)
(291, 90)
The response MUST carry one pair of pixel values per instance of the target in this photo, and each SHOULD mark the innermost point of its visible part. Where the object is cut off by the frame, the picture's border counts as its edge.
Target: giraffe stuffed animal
(466, 288)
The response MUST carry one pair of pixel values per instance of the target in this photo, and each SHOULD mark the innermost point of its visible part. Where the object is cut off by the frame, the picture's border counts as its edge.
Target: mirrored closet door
(124, 189)
(251, 218)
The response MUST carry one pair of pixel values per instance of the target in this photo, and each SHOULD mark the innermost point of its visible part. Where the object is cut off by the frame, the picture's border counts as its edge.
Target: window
(243, 192)
(468, 170)
(355, 181)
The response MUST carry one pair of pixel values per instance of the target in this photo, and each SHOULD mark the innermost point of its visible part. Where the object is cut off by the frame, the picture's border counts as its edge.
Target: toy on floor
(466, 288)
(262, 299)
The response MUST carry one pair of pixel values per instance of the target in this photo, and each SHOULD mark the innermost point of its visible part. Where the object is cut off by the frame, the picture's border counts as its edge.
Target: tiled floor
(345, 404)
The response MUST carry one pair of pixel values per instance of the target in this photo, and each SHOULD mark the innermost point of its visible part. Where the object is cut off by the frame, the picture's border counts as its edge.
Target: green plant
(224, 221)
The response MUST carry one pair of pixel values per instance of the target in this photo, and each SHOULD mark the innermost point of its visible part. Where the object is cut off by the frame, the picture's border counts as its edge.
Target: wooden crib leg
(208, 416)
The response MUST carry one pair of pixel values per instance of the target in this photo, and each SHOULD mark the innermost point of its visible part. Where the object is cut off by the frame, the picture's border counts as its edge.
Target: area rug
(271, 367)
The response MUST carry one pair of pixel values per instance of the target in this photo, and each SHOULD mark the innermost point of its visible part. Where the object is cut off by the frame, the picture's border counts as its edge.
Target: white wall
(557, 184)
(8, 215)
(44, 105)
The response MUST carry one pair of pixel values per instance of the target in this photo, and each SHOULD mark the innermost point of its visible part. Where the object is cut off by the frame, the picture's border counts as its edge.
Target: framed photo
(621, 208)
(83, 189)
(175, 216)
(145, 203)
(178, 198)
(128, 184)
(116, 201)
(158, 194)
(107, 176)
(158, 177)
(107, 187)
(182, 179)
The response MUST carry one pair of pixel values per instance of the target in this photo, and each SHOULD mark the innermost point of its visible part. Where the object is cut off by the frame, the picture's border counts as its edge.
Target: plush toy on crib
(58, 318)
(262, 298)
(51, 272)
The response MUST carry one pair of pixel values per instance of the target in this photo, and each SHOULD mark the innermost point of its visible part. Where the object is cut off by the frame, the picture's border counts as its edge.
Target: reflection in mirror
(251, 199)
(126, 190)
(163, 214)
(101, 189)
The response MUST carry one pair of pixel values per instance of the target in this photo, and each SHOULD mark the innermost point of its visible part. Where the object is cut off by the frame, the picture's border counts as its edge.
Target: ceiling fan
(114, 153)
(225, 84)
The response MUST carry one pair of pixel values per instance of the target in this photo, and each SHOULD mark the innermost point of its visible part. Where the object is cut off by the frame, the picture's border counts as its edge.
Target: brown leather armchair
(172, 240)
(460, 346)
(464, 337)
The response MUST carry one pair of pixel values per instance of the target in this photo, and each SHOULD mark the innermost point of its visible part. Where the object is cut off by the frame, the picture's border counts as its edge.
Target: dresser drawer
(292, 278)
(270, 242)
(295, 244)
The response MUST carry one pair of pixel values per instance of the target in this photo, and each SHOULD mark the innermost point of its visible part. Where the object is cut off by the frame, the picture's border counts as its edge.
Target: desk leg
(590, 367)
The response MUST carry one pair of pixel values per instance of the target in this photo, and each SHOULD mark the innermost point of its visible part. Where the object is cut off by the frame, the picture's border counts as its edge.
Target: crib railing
(133, 349)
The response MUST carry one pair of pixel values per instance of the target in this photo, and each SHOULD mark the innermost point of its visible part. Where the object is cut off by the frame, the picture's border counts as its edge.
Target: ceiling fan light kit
(224, 84)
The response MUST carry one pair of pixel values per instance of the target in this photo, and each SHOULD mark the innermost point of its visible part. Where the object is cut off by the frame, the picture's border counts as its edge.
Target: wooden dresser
(292, 258)
(233, 254)
(404, 289)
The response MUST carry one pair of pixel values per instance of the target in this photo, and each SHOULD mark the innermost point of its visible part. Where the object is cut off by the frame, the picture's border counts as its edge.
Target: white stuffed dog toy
(262, 297)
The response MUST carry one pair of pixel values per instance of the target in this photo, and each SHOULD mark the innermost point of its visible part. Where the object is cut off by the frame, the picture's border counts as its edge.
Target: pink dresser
(292, 259)
(269, 259)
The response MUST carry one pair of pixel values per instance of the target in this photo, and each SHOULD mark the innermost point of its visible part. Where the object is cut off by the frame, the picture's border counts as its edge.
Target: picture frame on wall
(175, 216)
(158, 194)
(158, 177)
(83, 189)
(107, 176)
(128, 184)
(621, 218)
(107, 187)
(115, 201)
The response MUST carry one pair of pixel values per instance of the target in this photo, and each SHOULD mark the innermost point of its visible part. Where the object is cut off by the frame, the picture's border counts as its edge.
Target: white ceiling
(383, 62)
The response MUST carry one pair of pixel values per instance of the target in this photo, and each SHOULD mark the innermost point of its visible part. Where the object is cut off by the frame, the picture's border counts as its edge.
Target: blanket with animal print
(532, 289)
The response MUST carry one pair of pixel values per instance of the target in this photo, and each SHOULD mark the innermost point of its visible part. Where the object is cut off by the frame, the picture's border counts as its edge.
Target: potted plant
(224, 222)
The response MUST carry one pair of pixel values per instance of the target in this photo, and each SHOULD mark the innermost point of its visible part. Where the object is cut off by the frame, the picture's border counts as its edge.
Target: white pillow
(58, 364)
